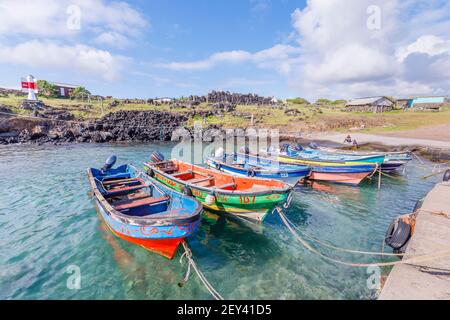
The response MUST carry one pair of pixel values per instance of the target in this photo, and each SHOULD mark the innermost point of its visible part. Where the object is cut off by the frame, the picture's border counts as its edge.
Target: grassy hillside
(293, 117)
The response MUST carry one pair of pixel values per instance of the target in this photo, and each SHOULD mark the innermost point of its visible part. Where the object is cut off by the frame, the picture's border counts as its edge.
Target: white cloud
(333, 51)
(275, 57)
(112, 39)
(51, 19)
(427, 44)
(78, 58)
(342, 57)
(213, 60)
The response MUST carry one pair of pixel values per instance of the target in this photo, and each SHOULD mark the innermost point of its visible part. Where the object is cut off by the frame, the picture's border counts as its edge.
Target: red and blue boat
(140, 210)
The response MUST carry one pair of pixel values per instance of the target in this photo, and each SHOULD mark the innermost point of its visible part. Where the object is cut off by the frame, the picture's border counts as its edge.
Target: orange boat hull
(344, 178)
(164, 247)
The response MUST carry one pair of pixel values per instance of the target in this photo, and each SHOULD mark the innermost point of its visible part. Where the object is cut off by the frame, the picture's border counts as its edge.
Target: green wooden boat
(249, 198)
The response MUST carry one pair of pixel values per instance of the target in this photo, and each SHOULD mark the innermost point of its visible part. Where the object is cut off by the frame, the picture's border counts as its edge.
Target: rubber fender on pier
(446, 175)
(399, 231)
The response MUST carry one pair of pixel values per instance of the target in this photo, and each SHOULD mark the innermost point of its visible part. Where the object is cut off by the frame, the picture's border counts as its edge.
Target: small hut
(370, 104)
(428, 103)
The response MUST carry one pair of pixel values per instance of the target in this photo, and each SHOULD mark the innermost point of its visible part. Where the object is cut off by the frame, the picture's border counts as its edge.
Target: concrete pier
(429, 280)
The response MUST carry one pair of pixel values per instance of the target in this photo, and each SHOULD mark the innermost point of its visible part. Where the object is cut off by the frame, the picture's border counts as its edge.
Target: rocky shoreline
(58, 126)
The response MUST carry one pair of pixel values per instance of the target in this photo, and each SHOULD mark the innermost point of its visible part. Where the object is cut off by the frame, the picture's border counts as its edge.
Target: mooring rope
(374, 171)
(435, 173)
(420, 160)
(415, 259)
(390, 176)
(338, 248)
(188, 254)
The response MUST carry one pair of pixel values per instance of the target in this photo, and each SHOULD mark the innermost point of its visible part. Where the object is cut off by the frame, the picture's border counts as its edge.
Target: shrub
(298, 101)
(47, 89)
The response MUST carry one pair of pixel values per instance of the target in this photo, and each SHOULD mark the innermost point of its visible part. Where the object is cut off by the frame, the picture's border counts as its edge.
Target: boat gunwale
(305, 168)
(356, 160)
(338, 163)
(148, 220)
(284, 190)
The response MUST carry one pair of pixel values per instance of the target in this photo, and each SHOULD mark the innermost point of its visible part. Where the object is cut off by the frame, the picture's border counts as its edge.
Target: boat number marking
(247, 200)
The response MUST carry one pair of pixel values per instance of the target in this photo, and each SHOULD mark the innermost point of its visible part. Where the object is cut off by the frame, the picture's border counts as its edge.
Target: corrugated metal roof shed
(368, 101)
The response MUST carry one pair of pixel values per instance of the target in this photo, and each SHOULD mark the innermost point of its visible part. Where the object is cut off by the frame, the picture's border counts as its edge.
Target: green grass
(310, 117)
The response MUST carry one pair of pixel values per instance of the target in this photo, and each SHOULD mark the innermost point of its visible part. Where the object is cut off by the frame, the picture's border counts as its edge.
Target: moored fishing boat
(392, 160)
(249, 198)
(251, 166)
(334, 171)
(142, 211)
(299, 152)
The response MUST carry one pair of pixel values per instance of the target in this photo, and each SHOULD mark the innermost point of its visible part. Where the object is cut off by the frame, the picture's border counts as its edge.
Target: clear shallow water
(48, 222)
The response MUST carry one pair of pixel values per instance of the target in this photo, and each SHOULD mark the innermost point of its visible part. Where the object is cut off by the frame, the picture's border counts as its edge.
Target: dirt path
(439, 132)
(407, 140)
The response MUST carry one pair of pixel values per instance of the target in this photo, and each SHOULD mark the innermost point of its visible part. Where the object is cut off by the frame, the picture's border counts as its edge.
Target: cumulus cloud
(428, 44)
(355, 48)
(55, 18)
(343, 56)
(78, 58)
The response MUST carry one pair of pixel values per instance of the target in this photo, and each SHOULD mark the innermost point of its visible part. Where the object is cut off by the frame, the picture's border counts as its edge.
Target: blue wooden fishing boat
(251, 166)
(141, 210)
(392, 160)
(301, 153)
(341, 172)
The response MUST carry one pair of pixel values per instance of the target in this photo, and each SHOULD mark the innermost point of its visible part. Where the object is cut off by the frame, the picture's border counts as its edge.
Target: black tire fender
(398, 234)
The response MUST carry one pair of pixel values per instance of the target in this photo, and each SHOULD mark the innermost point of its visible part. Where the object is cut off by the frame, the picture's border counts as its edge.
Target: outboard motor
(109, 163)
(284, 147)
(446, 175)
(157, 157)
(313, 145)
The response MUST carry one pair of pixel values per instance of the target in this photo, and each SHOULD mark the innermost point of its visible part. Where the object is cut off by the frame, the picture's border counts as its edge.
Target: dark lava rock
(139, 126)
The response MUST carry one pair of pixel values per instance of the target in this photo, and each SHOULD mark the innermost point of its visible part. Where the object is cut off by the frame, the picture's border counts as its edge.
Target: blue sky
(317, 48)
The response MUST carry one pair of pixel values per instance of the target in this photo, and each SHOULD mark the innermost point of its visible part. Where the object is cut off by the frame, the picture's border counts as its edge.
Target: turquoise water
(48, 224)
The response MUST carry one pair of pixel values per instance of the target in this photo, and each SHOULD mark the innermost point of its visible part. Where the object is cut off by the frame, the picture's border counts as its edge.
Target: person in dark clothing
(348, 139)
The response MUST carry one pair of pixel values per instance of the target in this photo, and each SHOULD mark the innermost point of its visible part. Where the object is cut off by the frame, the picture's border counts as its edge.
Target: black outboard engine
(313, 145)
(446, 175)
(157, 157)
(284, 147)
(109, 163)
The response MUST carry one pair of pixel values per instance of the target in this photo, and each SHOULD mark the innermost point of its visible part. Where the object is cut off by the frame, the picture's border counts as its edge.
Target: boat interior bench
(230, 185)
(112, 189)
(199, 180)
(134, 203)
(121, 181)
(178, 174)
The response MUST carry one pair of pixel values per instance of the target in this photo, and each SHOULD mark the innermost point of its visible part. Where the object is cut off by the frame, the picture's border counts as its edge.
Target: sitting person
(348, 139)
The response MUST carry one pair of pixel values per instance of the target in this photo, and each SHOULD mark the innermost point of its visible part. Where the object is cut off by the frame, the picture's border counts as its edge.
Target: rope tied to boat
(191, 263)
(414, 259)
(341, 249)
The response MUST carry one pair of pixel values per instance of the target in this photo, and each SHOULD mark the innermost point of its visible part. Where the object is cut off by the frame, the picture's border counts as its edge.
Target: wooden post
(379, 178)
